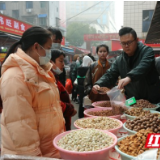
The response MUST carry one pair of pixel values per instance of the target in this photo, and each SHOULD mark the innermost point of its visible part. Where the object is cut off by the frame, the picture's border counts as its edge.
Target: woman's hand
(95, 88)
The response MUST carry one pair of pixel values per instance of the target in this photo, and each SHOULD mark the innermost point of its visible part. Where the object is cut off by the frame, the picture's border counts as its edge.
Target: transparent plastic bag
(117, 99)
(148, 155)
(24, 157)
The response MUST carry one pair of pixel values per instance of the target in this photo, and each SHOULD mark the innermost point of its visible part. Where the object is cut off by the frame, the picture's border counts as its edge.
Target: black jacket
(81, 74)
(73, 71)
(145, 83)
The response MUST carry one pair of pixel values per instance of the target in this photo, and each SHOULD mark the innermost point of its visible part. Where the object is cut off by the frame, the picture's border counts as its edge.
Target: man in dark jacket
(136, 67)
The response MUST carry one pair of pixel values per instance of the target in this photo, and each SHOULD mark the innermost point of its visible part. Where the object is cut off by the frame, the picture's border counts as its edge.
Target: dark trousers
(81, 96)
(74, 92)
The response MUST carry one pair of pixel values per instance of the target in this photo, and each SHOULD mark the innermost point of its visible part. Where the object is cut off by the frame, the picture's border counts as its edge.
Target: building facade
(138, 15)
(101, 14)
(41, 13)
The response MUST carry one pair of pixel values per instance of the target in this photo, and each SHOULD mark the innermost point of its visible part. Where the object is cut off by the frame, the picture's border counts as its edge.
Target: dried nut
(101, 113)
(104, 104)
(145, 122)
(85, 140)
(135, 144)
(143, 104)
(103, 123)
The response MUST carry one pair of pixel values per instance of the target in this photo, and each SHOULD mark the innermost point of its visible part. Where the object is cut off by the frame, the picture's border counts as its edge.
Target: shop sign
(101, 37)
(13, 26)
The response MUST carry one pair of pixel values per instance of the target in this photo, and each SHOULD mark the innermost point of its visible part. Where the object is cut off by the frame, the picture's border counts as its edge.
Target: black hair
(56, 31)
(102, 45)
(127, 30)
(29, 37)
(55, 53)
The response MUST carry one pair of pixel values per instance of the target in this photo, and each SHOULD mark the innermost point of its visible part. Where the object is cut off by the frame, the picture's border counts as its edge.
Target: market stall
(105, 121)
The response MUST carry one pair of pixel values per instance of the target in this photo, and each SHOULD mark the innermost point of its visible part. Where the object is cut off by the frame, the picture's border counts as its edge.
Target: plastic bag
(24, 157)
(117, 100)
(69, 86)
(75, 82)
(148, 155)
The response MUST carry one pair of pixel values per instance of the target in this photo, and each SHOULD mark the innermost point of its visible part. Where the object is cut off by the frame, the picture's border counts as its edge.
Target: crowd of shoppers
(36, 105)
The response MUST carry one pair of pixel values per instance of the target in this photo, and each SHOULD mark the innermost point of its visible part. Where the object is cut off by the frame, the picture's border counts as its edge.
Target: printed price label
(130, 101)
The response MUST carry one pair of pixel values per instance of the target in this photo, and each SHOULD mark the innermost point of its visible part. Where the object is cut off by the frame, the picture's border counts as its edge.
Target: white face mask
(57, 71)
(45, 59)
(56, 45)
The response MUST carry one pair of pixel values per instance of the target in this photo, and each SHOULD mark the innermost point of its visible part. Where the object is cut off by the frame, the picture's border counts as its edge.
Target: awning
(68, 50)
(42, 15)
(153, 35)
(11, 36)
(81, 49)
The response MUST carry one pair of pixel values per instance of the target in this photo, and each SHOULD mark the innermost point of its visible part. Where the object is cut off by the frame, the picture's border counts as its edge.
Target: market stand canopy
(153, 35)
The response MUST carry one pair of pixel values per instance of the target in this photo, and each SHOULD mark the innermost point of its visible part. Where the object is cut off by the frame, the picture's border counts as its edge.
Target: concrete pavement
(76, 116)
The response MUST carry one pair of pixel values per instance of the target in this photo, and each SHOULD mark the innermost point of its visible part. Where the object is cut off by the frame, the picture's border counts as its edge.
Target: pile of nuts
(137, 112)
(85, 140)
(101, 113)
(150, 121)
(118, 109)
(104, 104)
(144, 104)
(135, 144)
(103, 123)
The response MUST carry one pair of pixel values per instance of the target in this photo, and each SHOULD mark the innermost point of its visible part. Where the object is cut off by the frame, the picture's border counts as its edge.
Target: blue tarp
(68, 50)
(42, 15)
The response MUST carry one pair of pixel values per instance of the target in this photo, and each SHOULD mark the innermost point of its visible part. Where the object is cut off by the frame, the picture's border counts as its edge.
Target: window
(57, 22)
(147, 17)
(30, 19)
(2, 6)
(57, 9)
(15, 14)
(29, 4)
(43, 21)
(43, 4)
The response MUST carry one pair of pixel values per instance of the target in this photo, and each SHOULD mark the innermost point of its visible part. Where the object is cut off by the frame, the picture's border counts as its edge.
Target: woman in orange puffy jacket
(32, 114)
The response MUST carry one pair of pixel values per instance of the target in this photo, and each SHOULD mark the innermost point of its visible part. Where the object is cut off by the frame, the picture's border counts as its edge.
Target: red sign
(101, 37)
(13, 26)
(93, 50)
(63, 41)
(116, 45)
(153, 141)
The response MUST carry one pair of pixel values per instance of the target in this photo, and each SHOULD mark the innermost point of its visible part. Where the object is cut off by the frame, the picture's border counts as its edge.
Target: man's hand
(123, 82)
(95, 88)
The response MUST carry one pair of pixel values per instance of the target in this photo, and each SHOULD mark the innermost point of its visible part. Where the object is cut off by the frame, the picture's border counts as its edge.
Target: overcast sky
(119, 14)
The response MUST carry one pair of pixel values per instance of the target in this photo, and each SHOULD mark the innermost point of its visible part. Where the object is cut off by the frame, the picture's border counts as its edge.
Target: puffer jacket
(145, 83)
(94, 73)
(32, 115)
